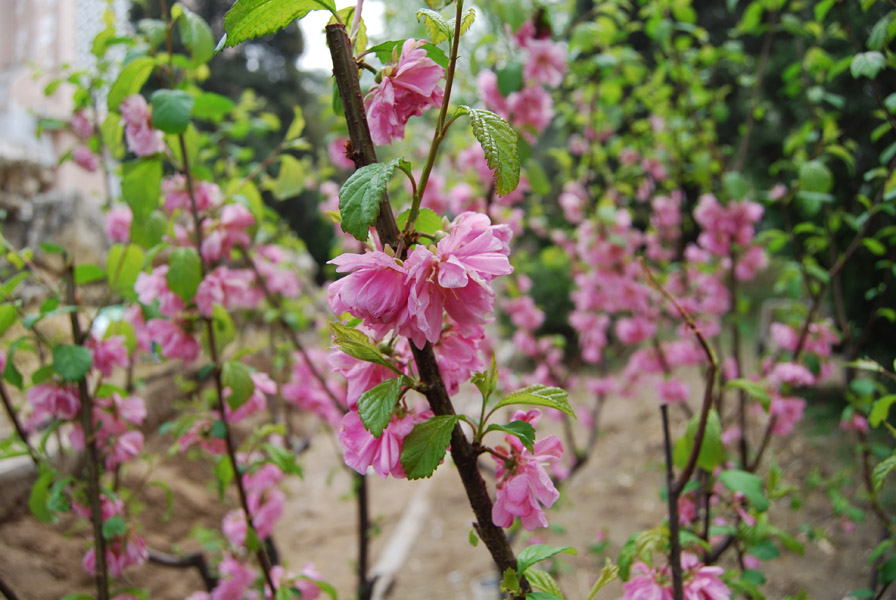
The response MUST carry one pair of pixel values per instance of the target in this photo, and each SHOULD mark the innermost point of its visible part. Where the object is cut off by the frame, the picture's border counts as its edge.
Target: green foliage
(130, 81)
(236, 376)
(357, 345)
(539, 395)
(72, 362)
(712, 453)
(123, 265)
(536, 553)
(521, 429)
(375, 406)
(194, 33)
(748, 484)
(361, 194)
(171, 110)
(424, 448)
(184, 273)
(249, 19)
(499, 142)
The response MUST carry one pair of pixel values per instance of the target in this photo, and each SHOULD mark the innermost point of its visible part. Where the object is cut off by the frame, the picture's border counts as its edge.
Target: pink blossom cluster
(728, 232)
(405, 89)
(411, 297)
(122, 551)
(523, 483)
(141, 138)
(701, 582)
(265, 500)
(237, 578)
(531, 108)
(305, 391)
(83, 156)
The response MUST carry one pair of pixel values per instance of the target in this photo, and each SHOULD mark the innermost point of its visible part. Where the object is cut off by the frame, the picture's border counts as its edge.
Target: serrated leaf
(435, 24)
(114, 526)
(375, 406)
(235, 375)
(171, 110)
(521, 429)
(499, 142)
(72, 362)
(752, 389)
(881, 409)
(881, 470)
(130, 81)
(536, 553)
(748, 484)
(196, 35)
(466, 20)
(867, 64)
(357, 345)
(607, 574)
(249, 19)
(360, 196)
(425, 447)
(542, 580)
(140, 184)
(539, 395)
(184, 272)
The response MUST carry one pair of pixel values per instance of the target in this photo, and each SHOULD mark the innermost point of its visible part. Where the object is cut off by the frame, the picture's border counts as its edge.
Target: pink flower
(487, 85)
(405, 90)
(81, 125)
(108, 353)
(674, 391)
(523, 313)
(376, 290)
(787, 412)
(235, 580)
(336, 151)
(752, 261)
(152, 287)
(458, 357)
(791, 373)
(85, 158)
(362, 450)
(142, 139)
(177, 195)
(230, 231)
(362, 375)
(305, 391)
(546, 64)
(523, 483)
(702, 582)
(856, 423)
(118, 224)
(126, 447)
(257, 401)
(644, 584)
(634, 330)
(274, 269)
(52, 401)
(173, 340)
(531, 110)
(572, 200)
(231, 288)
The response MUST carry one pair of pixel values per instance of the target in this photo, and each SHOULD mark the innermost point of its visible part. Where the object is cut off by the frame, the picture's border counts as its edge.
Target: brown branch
(14, 418)
(673, 491)
(195, 560)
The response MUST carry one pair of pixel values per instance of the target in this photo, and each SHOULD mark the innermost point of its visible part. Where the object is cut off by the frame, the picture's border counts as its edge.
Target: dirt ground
(616, 491)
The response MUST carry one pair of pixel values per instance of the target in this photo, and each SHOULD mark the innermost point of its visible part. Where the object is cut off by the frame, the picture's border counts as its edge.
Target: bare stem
(673, 491)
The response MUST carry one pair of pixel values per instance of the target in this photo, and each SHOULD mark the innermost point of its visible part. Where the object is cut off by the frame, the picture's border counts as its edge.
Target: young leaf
(542, 596)
(607, 574)
(360, 195)
(129, 81)
(7, 316)
(881, 409)
(375, 406)
(249, 19)
(140, 183)
(867, 64)
(212, 107)
(357, 345)
(428, 221)
(712, 452)
(40, 493)
(466, 20)
(536, 553)
(196, 35)
(171, 110)
(542, 580)
(123, 265)
(436, 25)
(486, 381)
(283, 458)
(88, 274)
(521, 429)
(753, 389)
(235, 375)
(499, 142)
(539, 395)
(114, 526)
(747, 484)
(184, 272)
(72, 362)
(881, 470)
(424, 448)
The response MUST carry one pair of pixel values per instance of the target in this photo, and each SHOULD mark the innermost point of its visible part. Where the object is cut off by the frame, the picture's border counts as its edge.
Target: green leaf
(747, 484)
(290, 180)
(184, 272)
(542, 580)
(213, 107)
(130, 81)
(140, 184)
(360, 196)
(510, 78)
(542, 596)
(249, 19)
(375, 406)
(357, 345)
(171, 110)
(753, 389)
(225, 332)
(878, 36)
(881, 470)
(297, 125)
(881, 409)
(536, 553)
(510, 582)
(196, 35)
(283, 459)
(40, 493)
(521, 429)
(428, 221)
(88, 274)
(712, 453)
(11, 284)
(114, 526)
(72, 362)
(816, 177)
(223, 469)
(8, 315)
(466, 20)
(435, 24)
(236, 376)
(499, 142)
(149, 232)
(539, 395)
(424, 448)
(219, 429)
(486, 381)
(607, 574)
(874, 246)
(123, 265)
(867, 64)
